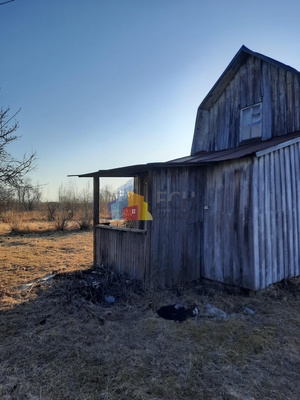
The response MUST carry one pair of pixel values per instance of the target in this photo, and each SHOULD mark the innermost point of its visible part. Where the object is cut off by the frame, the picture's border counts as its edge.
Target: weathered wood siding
(251, 226)
(285, 101)
(125, 250)
(276, 216)
(218, 126)
(177, 226)
(227, 233)
(236, 222)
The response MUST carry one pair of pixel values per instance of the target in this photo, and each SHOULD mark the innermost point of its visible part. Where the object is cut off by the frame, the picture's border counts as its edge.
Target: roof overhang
(256, 149)
(133, 170)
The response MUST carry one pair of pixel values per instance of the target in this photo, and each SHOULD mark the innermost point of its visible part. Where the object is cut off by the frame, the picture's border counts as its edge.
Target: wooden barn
(229, 211)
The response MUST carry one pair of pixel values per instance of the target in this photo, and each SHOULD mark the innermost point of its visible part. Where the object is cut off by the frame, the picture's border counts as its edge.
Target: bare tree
(107, 194)
(5, 2)
(52, 207)
(12, 171)
(29, 196)
(84, 214)
(65, 212)
(6, 199)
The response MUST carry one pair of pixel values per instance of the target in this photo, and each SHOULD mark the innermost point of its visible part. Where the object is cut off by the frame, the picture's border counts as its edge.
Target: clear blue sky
(109, 83)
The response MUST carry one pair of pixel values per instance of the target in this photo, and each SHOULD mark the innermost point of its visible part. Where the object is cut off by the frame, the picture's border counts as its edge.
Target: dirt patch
(60, 339)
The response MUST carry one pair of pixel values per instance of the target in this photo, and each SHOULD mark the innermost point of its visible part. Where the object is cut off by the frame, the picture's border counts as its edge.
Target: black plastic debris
(177, 312)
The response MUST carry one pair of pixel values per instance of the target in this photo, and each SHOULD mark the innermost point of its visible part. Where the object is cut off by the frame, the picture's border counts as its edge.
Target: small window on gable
(251, 122)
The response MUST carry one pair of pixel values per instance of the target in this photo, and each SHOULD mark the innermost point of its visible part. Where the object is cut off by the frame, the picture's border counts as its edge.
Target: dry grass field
(60, 340)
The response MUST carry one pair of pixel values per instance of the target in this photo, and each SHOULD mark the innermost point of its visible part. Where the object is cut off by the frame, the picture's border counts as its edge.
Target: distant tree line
(74, 205)
(18, 193)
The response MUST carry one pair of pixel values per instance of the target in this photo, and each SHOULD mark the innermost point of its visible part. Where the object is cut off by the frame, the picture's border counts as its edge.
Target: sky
(110, 83)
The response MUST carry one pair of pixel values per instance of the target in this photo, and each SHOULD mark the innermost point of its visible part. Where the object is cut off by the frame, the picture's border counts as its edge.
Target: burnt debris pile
(100, 285)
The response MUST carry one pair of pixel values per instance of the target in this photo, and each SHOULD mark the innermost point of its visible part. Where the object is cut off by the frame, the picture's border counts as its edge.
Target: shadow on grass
(44, 232)
(48, 348)
(64, 342)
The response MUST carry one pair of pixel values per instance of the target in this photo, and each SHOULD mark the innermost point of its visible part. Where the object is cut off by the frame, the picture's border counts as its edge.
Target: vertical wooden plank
(243, 255)
(266, 102)
(220, 125)
(282, 110)
(149, 225)
(290, 103)
(257, 81)
(297, 205)
(274, 78)
(226, 232)
(261, 222)
(294, 200)
(273, 227)
(159, 208)
(243, 87)
(297, 102)
(237, 240)
(284, 214)
(235, 113)
(279, 217)
(267, 221)
(123, 250)
(96, 191)
(226, 127)
(289, 213)
(218, 225)
(208, 265)
(96, 239)
(201, 131)
(256, 283)
(232, 94)
(213, 126)
(250, 80)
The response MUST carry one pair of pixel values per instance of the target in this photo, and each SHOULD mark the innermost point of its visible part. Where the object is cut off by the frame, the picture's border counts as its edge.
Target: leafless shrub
(107, 194)
(84, 214)
(66, 206)
(15, 220)
(62, 217)
(29, 195)
(7, 201)
(52, 207)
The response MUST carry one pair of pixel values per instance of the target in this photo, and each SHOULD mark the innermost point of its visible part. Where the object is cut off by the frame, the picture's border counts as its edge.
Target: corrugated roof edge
(202, 158)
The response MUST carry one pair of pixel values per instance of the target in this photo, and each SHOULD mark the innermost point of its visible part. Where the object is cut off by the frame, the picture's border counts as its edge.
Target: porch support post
(96, 190)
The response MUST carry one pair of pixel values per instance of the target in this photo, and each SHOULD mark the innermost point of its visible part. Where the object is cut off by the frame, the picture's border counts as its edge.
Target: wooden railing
(125, 250)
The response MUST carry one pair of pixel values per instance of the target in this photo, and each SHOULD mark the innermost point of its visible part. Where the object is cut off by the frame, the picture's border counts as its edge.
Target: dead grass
(61, 341)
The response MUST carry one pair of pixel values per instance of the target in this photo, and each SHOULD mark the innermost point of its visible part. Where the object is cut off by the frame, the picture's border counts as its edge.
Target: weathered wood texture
(227, 250)
(96, 211)
(252, 223)
(176, 229)
(235, 222)
(256, 81)
(275, 196)
(125, 250)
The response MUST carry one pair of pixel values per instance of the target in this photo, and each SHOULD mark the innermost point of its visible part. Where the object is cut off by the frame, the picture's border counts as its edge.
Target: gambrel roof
(206, 157)
(239, 59)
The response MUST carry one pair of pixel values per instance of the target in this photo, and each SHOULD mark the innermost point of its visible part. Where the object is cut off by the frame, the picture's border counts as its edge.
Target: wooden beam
(96, 187)
(96, 190)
